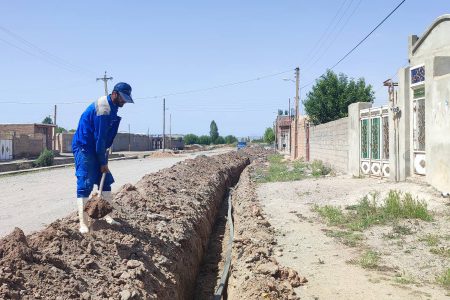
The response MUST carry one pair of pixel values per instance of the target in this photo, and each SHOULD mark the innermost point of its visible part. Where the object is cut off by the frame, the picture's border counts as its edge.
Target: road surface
(33, 200)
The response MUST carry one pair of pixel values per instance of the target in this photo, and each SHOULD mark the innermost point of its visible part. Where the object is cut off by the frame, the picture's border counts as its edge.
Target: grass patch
(405, 279)
(348, 238)
(332, 214)
(369, 259)
(45, 159)
(280, 170)
(442, 251)
(432, 240)
(398, 231)
(319, 169)
(368, 212)
(444, 279)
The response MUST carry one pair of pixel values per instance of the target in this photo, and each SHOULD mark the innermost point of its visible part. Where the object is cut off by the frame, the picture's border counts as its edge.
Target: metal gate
(374, 138)
(6, 150)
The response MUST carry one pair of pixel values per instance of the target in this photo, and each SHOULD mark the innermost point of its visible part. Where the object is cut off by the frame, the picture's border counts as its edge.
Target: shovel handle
(102, 181)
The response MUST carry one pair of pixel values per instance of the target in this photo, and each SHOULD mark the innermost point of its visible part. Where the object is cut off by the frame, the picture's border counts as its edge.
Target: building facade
(283, 133)
(421, 112)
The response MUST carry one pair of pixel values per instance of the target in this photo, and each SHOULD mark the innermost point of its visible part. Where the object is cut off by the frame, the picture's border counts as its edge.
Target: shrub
(45, 159)
(319, 169)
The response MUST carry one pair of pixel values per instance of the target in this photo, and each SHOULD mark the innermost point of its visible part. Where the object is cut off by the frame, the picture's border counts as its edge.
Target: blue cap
(124, 89)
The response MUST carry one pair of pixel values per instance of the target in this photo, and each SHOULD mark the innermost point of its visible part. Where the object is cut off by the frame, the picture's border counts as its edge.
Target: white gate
(374, 138)
(6, 150)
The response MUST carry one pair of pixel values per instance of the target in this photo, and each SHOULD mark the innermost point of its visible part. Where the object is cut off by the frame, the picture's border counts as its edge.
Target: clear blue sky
(170, 46)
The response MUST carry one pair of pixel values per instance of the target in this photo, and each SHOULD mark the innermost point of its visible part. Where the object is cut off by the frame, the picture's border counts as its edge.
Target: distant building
(283, 133)
(46, 130)
(25, 140)
(176, 143)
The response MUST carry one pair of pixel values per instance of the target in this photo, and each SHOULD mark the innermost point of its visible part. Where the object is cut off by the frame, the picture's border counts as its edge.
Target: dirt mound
(256, 274)
(166, 221)
(161, 154)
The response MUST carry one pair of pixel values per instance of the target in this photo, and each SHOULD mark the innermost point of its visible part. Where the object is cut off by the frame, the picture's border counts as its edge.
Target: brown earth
(166, 220)
(97, 207)
(256, 274)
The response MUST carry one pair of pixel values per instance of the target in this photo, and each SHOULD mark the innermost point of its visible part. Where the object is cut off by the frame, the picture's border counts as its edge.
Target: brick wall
(64, 142)
(139, 142)
(329, 143)
(28, 146)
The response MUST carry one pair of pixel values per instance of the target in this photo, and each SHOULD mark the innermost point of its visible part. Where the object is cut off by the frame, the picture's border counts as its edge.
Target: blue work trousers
(87, 170)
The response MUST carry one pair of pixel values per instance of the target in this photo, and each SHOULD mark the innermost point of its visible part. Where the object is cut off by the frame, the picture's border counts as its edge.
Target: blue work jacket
(97, 128)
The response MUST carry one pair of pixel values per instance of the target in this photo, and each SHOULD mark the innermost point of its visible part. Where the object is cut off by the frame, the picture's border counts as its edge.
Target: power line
(360, 42)
(336, 36)
(43, 54)
(370, 33)
(217, 86)
(329, 32)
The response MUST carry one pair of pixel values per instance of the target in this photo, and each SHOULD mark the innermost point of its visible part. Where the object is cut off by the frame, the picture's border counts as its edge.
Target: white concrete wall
(433, 50)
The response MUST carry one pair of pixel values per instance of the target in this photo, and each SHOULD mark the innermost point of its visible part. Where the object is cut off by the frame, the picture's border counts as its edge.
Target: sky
(51, 52)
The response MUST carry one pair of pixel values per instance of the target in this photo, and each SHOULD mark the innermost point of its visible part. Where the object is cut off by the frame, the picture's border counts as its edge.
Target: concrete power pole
(54, 129)
(105, 81)
(129, 138)
(297, 114)
(170, 130)
(164, 126)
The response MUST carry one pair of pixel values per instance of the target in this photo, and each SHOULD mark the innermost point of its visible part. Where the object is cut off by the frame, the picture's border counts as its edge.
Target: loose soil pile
(255, 272)
(161, 154)
(166, 220)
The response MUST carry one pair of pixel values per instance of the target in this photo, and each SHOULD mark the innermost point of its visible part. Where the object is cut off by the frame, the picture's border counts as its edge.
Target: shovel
(98, 207)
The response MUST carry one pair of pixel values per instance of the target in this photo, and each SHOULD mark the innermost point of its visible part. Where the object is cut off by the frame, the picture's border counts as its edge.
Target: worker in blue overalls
(96, 131)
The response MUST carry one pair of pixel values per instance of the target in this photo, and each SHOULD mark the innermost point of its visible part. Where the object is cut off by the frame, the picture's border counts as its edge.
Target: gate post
(354, 130)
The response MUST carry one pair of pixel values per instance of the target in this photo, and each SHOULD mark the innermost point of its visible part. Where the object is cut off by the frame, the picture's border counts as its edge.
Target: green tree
(204, 140)
(269, 136)
(332, 94)
(220, 140)
(213, 131)
(190, 139)
(60, 129)
(47, 120)
(230, 139)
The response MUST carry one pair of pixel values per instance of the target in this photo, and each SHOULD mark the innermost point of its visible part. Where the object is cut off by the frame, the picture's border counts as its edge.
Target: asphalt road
(33, 200)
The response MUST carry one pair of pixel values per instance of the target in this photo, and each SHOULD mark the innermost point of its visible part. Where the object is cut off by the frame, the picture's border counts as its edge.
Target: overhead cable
(358, 44)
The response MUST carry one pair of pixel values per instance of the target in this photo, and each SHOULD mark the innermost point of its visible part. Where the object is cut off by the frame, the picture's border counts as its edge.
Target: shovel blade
(98, 208)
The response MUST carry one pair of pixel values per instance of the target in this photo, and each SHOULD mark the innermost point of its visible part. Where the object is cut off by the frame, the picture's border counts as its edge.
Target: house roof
(27, 124)
(436, 22)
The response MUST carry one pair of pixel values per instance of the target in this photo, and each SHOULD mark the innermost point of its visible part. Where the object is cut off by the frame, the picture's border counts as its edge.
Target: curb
(56, 167)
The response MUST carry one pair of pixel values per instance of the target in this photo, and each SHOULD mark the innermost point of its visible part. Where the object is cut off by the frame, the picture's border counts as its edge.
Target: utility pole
(105, 81)
(290, 127)
(129, 138)
(54, 129)
(148, 139)
(170, 130)
(297, 114)
(164, 126)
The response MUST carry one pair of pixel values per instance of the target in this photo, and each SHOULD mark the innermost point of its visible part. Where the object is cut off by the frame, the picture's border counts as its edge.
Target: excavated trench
(167, 219)
(211, 269)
